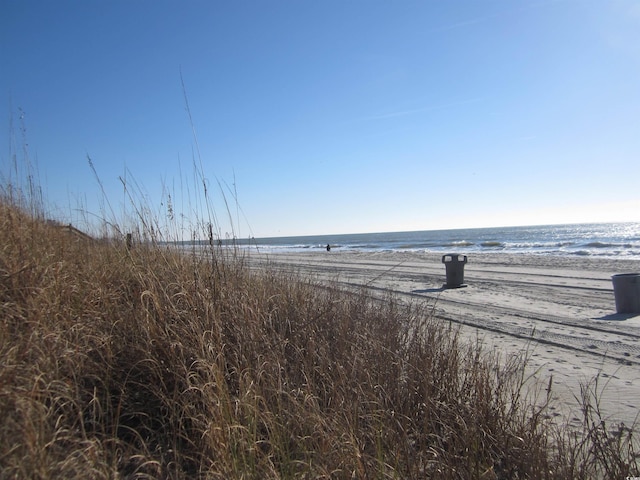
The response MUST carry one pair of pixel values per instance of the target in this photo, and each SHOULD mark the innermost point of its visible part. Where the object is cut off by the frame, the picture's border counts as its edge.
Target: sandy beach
(561, 310)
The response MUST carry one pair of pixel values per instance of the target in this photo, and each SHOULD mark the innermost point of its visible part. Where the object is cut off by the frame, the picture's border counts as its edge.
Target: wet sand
(560, 310)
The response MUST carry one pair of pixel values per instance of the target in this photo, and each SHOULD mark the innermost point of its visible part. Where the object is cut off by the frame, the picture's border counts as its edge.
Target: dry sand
(561, 310)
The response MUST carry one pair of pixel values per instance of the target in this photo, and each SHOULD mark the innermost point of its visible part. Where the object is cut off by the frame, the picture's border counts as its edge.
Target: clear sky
(332, 116)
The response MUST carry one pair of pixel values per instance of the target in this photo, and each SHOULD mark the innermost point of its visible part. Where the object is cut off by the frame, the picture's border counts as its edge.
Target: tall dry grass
(153, 363)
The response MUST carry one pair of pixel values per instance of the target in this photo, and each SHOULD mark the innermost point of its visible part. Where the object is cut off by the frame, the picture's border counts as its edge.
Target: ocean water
(613, 240)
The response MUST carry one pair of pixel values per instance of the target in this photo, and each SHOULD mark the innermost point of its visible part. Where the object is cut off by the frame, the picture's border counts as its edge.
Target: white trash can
(626, 289)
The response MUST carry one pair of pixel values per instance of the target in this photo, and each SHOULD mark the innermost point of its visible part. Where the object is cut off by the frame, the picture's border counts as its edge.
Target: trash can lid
(454, 257)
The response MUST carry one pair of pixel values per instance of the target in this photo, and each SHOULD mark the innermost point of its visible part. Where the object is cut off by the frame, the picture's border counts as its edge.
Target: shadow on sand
(618, 317)
(443, 288)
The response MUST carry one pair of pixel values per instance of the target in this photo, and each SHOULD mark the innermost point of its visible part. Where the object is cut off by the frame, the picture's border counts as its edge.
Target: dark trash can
(454, 265)
(626, 289)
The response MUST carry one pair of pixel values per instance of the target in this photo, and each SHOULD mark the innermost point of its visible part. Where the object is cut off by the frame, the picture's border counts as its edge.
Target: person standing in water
(328, 247)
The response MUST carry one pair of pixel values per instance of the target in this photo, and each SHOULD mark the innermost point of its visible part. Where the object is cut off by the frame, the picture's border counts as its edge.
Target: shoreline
(560, 310)
(535, 259)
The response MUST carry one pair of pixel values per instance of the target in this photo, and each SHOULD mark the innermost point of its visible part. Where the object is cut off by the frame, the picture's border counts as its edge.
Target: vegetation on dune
(149, 363)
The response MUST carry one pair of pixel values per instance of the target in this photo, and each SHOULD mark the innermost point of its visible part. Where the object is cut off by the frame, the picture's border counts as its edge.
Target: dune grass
(153, 363)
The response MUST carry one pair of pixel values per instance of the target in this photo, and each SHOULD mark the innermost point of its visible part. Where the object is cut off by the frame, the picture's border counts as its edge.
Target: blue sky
(328, 116)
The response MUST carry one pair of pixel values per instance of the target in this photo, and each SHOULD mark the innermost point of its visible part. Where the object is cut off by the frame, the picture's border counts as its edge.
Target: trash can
(454, 265)
(626, 289)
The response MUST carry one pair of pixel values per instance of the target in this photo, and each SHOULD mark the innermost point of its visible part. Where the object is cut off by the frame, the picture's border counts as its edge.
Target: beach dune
(559, 310)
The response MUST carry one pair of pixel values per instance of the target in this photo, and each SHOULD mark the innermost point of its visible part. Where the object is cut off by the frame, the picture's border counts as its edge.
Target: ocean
(612, 240)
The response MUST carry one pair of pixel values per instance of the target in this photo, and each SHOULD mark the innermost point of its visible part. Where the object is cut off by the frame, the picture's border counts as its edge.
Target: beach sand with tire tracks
(559, 310)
